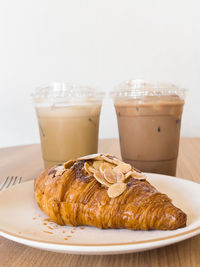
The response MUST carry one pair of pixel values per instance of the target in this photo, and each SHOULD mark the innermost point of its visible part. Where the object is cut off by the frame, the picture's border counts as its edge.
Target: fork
(9, 182)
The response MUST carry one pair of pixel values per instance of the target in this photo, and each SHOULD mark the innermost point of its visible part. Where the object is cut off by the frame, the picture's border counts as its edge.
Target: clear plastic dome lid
(139, 88)
(60, 93)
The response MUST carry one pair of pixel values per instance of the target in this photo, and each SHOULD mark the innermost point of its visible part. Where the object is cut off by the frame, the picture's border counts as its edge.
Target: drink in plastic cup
(149, 120)
(68, 119)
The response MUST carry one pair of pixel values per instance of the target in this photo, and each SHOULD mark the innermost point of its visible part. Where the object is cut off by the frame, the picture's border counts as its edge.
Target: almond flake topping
(87, 168)
(116, 189)
(124, 167)
(117, 161)
(109, 171)
(110, 176)
(139, 175)
(69, 163)
(96, 164)
(128, 174)
(91, 169)
(120, 177)
(107, 158)
(59, 170)
(105, 165)
(100, 178)
(92, 156)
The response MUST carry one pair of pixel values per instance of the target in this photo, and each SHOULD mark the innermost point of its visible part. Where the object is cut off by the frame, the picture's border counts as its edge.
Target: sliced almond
(59, 173)
(105, 165)
(110, 176)
(92, 156)
(69, 163)
(124, 167)
(139, 175)
(136, 170)
(128, 174)
(107, 159)
(96, 164)
(91, 169)
(120, 177)
(116, 190)
(59, 170)
(87, 168)
(100, 178)
(116, 161)
(107, 155)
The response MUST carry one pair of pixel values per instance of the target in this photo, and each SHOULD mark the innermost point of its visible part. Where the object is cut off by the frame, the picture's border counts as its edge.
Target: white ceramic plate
(22, 221)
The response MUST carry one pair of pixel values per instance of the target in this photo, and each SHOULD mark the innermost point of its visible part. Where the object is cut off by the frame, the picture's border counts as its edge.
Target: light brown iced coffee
(68, 126)
(149, 121)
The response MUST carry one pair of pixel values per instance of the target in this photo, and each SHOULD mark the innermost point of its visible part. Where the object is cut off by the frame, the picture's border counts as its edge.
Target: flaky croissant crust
(75, 198)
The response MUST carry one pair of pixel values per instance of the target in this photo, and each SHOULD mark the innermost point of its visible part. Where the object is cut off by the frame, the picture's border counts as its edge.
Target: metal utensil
(9, 181)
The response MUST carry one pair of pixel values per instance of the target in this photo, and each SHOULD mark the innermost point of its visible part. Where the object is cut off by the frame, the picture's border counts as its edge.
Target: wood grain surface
(26, 161)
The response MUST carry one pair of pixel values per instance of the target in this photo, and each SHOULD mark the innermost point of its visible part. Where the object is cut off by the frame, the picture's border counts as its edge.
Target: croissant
(100, 190)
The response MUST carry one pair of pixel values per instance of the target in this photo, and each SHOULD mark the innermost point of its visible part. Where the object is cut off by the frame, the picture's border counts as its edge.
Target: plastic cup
(68, 120)
(149, 121)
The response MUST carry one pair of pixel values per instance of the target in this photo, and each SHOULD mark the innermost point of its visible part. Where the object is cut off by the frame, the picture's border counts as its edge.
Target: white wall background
(94, 42)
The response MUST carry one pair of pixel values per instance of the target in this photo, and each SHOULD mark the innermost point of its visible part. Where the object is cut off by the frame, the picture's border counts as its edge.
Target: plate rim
(162, 241)
(183, 234)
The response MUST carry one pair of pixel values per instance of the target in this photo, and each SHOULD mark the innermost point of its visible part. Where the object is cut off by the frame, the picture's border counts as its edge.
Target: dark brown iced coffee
(149, 121)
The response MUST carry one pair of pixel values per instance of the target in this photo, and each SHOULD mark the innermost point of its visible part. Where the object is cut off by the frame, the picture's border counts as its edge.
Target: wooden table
(26, 161)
